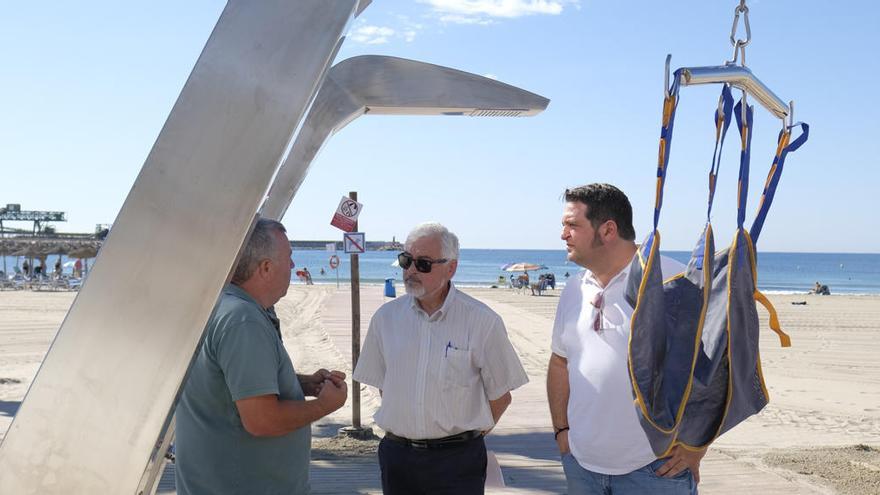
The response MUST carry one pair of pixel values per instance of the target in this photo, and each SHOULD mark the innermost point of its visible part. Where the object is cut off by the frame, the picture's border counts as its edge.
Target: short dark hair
(605, 202)
(260, 246)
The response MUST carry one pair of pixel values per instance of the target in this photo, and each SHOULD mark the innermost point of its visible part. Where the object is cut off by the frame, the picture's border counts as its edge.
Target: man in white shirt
(445, 368)
(604, 449)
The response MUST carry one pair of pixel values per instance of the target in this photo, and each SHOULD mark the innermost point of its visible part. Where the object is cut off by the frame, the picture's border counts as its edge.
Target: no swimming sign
(346, 214)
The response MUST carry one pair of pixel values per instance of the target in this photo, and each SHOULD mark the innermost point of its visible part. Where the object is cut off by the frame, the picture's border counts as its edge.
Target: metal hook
(740, 9)
(666, 75)
(788, 120)
(791, 113)
(721, 104)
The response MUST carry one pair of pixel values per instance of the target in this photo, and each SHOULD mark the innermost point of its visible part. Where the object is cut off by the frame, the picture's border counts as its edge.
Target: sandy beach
(819, 434)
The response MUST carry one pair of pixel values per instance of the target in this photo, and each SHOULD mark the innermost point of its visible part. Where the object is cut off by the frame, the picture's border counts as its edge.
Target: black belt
(436, 443)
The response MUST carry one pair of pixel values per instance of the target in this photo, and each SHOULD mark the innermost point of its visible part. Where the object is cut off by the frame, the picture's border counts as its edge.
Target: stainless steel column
(95, 410)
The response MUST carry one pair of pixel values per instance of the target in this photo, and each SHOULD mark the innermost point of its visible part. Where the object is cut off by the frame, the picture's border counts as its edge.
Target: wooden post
(355, 331)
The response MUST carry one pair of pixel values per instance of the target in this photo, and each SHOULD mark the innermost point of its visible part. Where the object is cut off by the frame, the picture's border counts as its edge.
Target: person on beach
(820, 289)
(444, 366)
(243, 421)
(604, 448)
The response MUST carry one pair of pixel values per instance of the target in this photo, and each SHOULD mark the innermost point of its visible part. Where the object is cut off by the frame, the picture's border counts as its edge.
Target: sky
(85, 88)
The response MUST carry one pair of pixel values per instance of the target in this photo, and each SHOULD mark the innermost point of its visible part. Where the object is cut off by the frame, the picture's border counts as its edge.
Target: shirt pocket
(457, 369)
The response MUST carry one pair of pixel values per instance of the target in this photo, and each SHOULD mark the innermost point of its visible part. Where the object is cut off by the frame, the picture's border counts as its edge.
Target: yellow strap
(784, 339)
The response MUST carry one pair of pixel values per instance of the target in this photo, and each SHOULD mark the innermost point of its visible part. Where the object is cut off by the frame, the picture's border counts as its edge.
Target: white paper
(494, 478)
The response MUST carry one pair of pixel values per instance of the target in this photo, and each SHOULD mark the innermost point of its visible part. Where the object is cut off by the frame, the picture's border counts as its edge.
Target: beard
(414, 288)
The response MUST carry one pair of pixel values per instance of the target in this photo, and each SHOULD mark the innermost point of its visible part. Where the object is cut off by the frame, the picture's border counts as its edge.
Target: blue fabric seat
(693, 353)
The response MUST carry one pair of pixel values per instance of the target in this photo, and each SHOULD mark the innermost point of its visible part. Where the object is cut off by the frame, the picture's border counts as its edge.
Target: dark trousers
(454, 470)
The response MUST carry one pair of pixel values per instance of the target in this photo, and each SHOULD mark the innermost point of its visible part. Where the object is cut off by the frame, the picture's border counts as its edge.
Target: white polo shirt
(437, 374)
(605, 435)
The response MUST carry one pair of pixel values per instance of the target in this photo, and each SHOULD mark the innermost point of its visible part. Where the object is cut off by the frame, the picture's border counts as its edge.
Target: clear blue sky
(86, 87)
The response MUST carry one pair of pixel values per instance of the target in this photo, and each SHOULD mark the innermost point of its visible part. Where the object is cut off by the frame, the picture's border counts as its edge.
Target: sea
(779, 273)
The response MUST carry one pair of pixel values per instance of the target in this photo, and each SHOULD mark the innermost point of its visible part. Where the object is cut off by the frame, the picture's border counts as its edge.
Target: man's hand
(562, 442)
(312, 384)
(498, 406)
(680, 460)
(333, 394)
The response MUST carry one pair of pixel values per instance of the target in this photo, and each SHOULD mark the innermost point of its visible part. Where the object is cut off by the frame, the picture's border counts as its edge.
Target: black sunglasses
(423, 265)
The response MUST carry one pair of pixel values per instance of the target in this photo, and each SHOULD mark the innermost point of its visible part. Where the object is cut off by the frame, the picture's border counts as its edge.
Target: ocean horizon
(778, 273)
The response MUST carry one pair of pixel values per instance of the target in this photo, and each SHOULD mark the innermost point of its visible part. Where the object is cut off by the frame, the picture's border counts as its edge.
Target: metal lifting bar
(738, 76)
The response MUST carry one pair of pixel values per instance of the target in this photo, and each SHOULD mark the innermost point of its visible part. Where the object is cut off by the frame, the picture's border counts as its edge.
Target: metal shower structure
(98, 416)
(379, 85)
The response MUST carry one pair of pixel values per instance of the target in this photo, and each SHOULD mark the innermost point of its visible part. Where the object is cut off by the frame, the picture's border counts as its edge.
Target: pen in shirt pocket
(449, 346)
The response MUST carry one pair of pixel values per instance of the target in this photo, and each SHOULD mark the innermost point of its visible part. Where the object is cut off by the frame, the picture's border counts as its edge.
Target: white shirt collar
(591, 280)
(440, 313)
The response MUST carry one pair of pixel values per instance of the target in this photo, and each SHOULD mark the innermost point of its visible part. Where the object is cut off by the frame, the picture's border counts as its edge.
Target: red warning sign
(346, 214)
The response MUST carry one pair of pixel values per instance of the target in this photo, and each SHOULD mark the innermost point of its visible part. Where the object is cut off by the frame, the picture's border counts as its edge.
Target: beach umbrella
(522, 267)
(84, 251)
(29, 250)
(55, 247)
(34, 248)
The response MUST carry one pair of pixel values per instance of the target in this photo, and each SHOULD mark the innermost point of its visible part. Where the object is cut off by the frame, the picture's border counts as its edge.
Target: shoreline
(559, 286)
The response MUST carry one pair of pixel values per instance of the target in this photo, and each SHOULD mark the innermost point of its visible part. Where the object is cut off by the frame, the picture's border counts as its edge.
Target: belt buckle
(418, 444)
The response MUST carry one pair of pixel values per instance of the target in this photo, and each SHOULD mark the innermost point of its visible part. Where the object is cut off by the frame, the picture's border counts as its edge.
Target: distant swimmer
(821, 289)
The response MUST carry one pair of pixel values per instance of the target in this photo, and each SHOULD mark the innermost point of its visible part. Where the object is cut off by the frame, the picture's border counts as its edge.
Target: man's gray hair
(448, 240)
(260, 246)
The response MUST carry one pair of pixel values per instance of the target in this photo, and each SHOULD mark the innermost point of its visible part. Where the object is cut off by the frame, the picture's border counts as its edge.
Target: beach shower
(98, 415)
(378, 85)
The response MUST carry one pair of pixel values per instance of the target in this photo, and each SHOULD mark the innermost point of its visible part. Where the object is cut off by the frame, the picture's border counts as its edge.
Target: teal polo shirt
(242, 356)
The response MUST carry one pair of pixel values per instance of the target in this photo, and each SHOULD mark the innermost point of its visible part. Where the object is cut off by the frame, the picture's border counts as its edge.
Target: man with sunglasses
(604, 449)
(445, 368)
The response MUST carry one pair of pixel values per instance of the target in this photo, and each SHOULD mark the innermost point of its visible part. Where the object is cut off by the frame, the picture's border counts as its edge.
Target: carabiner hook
(740, 9)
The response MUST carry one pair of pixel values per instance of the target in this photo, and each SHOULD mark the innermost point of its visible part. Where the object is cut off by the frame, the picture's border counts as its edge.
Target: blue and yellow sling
(693, 359)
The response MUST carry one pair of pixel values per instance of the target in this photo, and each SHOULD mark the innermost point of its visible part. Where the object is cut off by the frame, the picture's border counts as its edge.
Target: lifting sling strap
(693, 352)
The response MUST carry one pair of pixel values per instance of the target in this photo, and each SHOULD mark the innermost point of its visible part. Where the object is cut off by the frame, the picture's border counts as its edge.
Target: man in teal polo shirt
(243, 423)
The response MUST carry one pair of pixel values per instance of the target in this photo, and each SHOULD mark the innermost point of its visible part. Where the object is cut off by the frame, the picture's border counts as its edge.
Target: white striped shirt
(438, 373)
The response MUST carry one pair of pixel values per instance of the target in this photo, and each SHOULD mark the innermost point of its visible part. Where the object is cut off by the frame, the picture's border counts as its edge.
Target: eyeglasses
(423, 265)
(598, 303)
